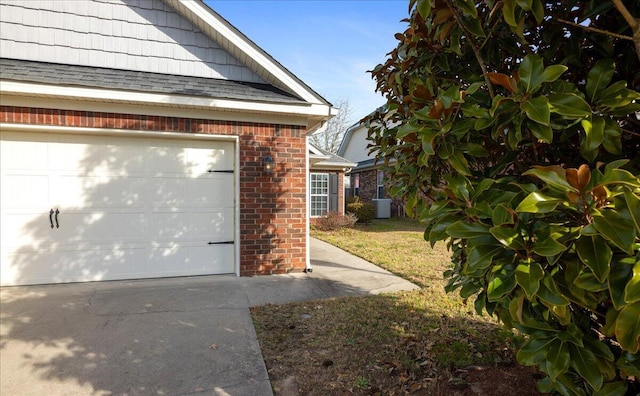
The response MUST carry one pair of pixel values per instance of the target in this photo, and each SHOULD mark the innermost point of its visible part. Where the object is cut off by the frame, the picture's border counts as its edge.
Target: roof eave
(314, 113)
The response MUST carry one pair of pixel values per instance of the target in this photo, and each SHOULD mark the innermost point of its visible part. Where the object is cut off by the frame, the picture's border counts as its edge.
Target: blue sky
(328, 44)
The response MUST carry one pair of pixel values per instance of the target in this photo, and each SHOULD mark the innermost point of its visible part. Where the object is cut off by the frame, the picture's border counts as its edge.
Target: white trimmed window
(319, 194)
(380, 192)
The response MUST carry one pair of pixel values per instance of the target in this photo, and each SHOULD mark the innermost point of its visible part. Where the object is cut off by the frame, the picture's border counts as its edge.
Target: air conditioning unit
(383, 208)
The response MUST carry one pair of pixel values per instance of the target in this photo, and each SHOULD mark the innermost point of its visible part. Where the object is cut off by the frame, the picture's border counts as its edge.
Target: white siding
(356, 149)
(143, 35)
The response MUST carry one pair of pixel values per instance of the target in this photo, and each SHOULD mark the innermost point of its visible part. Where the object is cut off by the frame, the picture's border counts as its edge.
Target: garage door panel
(119, 192)
(100, 226)
(167, 192)
(215, 226)
(24, 190)
(23, 152)
(73, 153)
(200, 160)
(128, 208)
(217, 187)
(26, 230)
(191, 259)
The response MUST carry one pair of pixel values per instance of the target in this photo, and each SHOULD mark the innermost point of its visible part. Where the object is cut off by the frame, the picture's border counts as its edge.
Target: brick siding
(369, 190)
(272, 207)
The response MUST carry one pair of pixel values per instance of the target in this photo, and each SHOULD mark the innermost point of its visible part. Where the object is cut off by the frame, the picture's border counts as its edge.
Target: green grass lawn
(393, 343)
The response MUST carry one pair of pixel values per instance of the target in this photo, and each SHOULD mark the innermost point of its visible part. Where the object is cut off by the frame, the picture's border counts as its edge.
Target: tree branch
(475, 49)
(634, 23)
(595, 30)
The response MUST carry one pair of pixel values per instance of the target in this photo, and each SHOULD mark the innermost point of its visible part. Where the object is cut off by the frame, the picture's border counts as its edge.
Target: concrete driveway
(160, 337)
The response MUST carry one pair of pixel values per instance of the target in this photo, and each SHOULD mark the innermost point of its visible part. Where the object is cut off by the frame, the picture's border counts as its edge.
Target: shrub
(520, 120)
(364, 211)
(335, 221)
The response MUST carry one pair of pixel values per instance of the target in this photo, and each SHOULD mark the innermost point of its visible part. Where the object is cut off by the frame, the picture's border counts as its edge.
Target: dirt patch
(380, 345)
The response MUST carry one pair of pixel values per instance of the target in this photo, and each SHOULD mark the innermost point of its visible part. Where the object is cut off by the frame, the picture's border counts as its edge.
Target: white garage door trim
(161, 136)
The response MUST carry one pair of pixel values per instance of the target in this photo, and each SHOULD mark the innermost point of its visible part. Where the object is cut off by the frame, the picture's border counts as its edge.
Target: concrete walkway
(174, 336)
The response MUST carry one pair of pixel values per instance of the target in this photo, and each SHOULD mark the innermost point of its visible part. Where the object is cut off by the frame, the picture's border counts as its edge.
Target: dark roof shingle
(128, 80)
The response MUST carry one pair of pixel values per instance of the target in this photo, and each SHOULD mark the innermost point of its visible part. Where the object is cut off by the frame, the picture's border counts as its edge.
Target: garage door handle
(221, 243)
(57, 224)
(220, 171)
(51, 217)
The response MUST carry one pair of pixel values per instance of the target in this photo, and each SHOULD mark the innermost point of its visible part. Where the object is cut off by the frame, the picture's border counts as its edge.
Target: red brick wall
(272, 207)
(369, 191)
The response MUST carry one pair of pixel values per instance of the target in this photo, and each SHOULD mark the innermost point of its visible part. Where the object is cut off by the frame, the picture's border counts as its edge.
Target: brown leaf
(422, 92)
(436, 109)
(572, 178)
(442, 15)
(502, 80)
(584, 176)
(600, 193)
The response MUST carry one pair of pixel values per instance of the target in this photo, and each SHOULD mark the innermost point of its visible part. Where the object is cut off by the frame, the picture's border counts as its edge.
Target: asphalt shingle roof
(96, 77)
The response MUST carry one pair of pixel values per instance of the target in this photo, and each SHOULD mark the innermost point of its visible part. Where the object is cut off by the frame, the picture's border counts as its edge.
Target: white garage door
(86, 208)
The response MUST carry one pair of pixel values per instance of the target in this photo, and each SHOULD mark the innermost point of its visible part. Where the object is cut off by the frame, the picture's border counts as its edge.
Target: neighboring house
(326, 182)
(367, 180)
(148, 138)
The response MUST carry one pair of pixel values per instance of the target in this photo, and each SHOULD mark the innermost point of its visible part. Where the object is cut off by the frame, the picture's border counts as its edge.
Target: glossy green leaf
(424, 8)
(549, 293)
(473, 149)
(586, 280)
(501, 283)
(599, 77)
(541, 132)
(633, 204)
(502, 215)
(406, 130)
(537, 109)
(594, 131)
(618, 388)
(627, 328)
(459, 163)
(538, 10)
(508, 236)
(528, 276)
(569, 105)
(596, 254)
(616, 228)
(468, 8)
(549, 247)
(534, 350)
(620, 273)
(538, 203)
(480, 257)
(632, 290)
(531, 72)
(509, 12)
(554, 177)
(558, 359)
(583, 361)
(619, 176)
(553, 72)
(462, 229)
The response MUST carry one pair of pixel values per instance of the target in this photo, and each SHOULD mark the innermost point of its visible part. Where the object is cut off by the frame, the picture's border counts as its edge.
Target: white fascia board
(31, 89)
(329, 164)
(150, 109)
(239, 41)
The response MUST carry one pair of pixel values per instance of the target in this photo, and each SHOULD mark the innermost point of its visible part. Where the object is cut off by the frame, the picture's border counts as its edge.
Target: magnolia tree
(512, 129)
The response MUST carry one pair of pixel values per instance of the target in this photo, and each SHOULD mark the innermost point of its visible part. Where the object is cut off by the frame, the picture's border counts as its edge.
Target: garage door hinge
(220, 171)
(221, 243)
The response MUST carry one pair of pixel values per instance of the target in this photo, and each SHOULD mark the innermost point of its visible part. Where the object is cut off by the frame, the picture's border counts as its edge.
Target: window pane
(319, 189)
